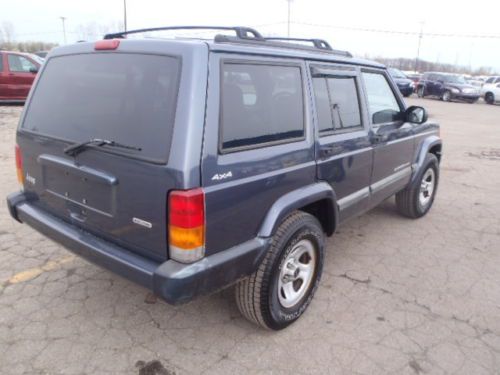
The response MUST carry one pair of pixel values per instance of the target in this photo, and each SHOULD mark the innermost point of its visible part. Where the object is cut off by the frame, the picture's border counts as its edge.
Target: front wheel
(282, 288)
(416, 200)
(489, 98)
(421, 92)
(447, 96)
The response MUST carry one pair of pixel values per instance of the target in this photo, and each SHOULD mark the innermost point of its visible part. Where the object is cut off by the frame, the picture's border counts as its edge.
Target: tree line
(429, 66)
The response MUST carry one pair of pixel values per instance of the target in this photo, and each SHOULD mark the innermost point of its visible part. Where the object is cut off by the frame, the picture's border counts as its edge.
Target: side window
(20, 64)
(497, 80)
(1, 62)
(490, 80)
(337, 103)
(382, 104)
(260, 104)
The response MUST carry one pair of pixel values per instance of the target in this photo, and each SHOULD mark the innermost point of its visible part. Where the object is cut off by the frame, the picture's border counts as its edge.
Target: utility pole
(125, 14)
(420, 36)
(288, 22)
(64, 28)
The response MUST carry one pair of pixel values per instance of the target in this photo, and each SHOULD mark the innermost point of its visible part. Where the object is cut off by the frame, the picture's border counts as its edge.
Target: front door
(344, 153)
(392, 138)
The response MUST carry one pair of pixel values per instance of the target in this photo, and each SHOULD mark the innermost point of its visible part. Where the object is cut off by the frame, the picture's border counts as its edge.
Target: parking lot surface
(398, 296)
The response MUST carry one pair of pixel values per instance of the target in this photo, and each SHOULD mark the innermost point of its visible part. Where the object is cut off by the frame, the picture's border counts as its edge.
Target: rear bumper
(173, 281)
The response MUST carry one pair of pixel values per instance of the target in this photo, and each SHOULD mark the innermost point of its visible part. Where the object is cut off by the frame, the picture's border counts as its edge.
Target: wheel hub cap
(427, 187)
(296, 274)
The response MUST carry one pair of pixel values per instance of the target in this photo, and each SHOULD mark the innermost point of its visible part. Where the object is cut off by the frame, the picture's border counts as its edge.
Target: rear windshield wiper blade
(76, 148)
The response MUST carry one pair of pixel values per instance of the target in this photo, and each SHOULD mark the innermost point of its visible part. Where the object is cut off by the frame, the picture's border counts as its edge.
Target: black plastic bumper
(173, 281)
(465, 97)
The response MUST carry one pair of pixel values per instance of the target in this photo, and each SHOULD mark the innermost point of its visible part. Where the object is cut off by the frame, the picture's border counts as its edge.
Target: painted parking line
(32, 273)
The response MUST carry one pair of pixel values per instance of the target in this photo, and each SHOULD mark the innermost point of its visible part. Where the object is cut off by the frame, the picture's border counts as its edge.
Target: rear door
(258, 143)
(344, 153)
(128, 96)
(21, 74)
(392, 138)
(3, 77)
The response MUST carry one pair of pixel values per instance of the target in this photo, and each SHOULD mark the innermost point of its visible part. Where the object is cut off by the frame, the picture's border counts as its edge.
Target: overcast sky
(337, 21)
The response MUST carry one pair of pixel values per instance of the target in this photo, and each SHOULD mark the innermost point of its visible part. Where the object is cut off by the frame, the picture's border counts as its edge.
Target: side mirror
(416, 115)
(34, 70)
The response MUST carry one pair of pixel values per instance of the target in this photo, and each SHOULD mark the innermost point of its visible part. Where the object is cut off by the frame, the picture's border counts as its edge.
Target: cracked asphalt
(398, 296)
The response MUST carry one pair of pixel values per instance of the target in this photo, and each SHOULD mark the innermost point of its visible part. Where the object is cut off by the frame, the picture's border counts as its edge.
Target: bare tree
(7, 32)
(93, 30)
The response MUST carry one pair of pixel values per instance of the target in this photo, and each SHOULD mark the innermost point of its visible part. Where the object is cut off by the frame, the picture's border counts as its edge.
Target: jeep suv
(447, 87)
(191, 165)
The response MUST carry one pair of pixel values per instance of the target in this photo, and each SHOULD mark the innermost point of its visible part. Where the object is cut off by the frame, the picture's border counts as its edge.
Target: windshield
(124, 97)
(396, 73)
(454, 79)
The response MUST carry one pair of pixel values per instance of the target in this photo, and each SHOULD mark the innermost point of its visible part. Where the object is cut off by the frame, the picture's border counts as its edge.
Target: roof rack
(317, 43)
(245, 33)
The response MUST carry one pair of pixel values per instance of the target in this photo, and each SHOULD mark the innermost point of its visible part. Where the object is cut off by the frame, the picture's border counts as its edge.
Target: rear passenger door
(21, 76)
(344, 151)
(392, 137)
(3, 78)
(258, 143)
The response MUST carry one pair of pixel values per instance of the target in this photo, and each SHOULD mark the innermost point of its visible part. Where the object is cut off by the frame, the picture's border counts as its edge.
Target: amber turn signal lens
(19, 165)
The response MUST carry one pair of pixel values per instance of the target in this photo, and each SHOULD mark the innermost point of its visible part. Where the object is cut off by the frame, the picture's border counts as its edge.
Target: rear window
(127, 98)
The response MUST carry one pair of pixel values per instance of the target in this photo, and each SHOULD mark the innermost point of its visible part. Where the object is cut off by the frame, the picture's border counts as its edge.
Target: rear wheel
(282, 288)
(416, 200)
(489, 98)
(421, 92)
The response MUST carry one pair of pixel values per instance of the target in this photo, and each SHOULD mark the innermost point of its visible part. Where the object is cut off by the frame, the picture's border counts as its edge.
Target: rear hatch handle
(76, 148)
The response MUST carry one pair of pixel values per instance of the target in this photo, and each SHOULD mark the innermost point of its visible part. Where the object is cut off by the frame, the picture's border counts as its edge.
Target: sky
(366, 28)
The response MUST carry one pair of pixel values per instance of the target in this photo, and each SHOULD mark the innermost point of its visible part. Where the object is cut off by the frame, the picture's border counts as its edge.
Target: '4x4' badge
(222, 176)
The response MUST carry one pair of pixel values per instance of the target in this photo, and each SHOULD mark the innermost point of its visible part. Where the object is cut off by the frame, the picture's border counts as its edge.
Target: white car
(491, 93)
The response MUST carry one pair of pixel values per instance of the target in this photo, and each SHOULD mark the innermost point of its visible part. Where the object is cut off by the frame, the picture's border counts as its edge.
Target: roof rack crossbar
(246, 33)
(317, 43)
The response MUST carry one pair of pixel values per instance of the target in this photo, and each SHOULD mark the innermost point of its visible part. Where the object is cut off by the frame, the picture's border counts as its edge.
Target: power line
(400, 32)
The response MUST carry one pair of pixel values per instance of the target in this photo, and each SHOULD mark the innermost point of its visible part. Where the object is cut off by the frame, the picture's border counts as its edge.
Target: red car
(17, 73)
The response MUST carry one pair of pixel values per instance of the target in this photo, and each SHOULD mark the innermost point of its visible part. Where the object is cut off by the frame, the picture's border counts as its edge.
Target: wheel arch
(317, 199)
(433, 145)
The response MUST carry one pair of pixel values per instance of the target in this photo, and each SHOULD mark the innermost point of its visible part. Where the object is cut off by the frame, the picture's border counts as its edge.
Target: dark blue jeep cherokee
(191, 165)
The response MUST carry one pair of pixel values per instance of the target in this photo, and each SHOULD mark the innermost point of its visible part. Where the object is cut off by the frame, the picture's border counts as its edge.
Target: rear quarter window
(124, 97)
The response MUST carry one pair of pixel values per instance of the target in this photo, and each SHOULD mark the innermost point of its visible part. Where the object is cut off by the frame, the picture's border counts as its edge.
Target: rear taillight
(186, 225)
(19, 165)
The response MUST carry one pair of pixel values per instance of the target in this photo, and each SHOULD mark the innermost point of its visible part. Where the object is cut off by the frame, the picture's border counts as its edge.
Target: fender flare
(296, 199)
(425, 147)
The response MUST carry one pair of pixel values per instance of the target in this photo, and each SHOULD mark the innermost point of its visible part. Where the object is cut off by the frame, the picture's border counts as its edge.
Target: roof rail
(278, 44)
(317, 43)
(245, 33)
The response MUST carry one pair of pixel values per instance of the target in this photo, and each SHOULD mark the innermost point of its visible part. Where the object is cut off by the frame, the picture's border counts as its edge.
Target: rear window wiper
(76, 148)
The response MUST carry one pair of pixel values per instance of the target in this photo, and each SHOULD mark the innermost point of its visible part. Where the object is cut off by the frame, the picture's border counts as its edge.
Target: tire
(410, 202)
(446, 96)
(421, 92)
(489, 98)
(260, 297)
